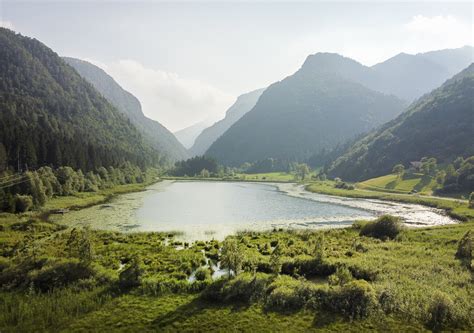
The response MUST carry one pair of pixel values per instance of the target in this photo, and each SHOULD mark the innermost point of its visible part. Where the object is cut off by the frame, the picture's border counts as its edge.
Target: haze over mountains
(77, 115)
(332, 99)
(312, 110)
(188, 135)
(242, 105)
(154, 133)
(440, 125)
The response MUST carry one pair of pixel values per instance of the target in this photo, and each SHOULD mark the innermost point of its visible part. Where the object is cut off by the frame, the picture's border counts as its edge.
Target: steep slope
(454, 60)
(188, 135)
(314, 109)
(153, 132)
(408, 76)
(441, 125)
(51, 116)
(242, 105)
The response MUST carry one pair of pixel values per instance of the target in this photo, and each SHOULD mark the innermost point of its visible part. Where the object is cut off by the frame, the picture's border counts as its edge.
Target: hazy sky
(188, 61)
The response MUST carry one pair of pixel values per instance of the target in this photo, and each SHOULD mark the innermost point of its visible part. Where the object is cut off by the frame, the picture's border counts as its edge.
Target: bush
(202, 274)
(464, 251)
(385, 227)
(356, 299)
(131, 276)
(340, 277)
(60, 274)
(307, 267)
(244, 288)
(23, 203)
(289, 294)
(441, 311)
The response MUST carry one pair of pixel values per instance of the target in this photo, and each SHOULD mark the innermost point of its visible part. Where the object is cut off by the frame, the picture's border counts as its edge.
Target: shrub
(441, 311)
(307, 267)
(23, 203)
(385, 227)
(355, 299)
(202, 274)
(131, 276)
(284, 298)
(60, 274)
(289, 294)
(464, 251)
(244, 288)
(232, 256)
(340, 277)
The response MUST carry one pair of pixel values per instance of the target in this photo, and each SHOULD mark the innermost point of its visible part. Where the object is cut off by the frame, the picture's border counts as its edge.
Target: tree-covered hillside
(51, 116)
(153, 132)
(242, 105)
(314, 109)
(440, 125)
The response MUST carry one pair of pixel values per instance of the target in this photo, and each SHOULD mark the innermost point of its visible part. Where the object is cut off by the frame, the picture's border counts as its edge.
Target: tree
(205, 173)
(428, 165)
(131, 276)
(3, 157)
(319, 252)
(399, 169)
(302, 170)
(440, 177)
(79, 245)
(275, 260)
(232, 256)
(471, 200)
(23, 203)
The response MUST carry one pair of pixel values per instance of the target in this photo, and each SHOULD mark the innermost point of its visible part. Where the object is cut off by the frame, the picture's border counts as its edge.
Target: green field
(49, 286)
(394, 183)
(406, 275)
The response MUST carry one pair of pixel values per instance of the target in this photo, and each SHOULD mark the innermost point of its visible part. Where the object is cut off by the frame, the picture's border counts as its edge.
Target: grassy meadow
(57, 278)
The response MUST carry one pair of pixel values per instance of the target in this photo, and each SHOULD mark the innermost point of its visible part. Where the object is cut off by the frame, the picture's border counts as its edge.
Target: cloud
(174, 101)
(7, 24)
(447, 31)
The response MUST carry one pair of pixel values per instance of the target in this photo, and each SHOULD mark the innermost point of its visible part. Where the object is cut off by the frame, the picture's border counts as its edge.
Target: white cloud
(7, 24)
(442, 31)
(174, 101)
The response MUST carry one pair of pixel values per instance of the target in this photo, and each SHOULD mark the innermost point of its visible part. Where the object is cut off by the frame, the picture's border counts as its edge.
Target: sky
(188, 61)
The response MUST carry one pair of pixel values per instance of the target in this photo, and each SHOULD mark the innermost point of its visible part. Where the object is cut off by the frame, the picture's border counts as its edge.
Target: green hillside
(312, 110)
(153, 132)
(393, 183)
(242, 105)
(439, 125)
(51, 116)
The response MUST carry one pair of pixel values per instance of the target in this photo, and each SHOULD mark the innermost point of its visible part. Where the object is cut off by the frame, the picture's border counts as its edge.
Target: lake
(206, 209)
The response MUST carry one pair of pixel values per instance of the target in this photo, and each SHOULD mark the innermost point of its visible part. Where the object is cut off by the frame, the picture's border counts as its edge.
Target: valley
(333, 190)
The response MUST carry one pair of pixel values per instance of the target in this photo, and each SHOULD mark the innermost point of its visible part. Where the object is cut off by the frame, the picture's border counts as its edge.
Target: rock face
(153, 132)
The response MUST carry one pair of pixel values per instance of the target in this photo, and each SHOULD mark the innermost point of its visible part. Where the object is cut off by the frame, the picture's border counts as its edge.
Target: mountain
(153, 132)
(316, 108)
(188, 135)
(242, 105)
(51, 116)
(406, 76)
(440, 125)
(454, 60)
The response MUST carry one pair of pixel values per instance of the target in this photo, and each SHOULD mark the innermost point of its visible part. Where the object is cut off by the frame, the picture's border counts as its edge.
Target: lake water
(204, 210)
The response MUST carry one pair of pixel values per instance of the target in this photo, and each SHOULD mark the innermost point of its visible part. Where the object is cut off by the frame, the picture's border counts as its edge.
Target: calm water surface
(203, 210)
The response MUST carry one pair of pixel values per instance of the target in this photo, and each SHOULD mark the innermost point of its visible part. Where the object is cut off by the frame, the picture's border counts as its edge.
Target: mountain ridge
(154, 133)
(440, 124)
